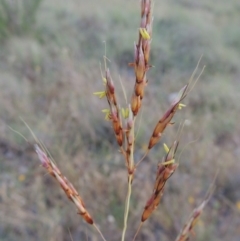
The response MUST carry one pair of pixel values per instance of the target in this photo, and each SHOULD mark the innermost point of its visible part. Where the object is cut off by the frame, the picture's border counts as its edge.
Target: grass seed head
(66, 186)
(191, 223)
(114, 113)
(166, 119)
(164, 172)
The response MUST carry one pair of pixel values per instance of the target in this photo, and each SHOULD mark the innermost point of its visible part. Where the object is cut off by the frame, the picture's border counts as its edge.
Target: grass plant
(48, 74)
(123, 121)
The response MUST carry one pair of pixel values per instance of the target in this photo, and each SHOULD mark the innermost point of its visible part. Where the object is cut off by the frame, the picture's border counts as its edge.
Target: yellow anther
(100, 94)
(180, 106)
(165, 147)
(144, 33)
(104, 80)
(125, 113)
(107, 111)
(169, 162)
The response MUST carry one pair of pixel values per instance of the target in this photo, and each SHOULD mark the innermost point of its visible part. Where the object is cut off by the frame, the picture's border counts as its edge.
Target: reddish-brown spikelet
(139, 90)
(110, 90)
(163, 174)
(166, 119)
(130, 141)
(67, 187)
(187, 229)
(114, 110)
(140, 65)
(145, 12)
(147, 48)
(136, 104)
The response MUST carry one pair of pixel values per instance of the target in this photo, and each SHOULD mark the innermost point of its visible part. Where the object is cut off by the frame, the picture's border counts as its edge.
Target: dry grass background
(48, 72)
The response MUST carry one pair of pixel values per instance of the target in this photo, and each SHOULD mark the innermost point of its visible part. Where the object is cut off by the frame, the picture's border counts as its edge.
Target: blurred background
(50, 59)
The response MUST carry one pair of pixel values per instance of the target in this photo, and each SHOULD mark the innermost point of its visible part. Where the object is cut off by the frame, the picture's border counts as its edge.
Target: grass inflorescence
(123, 121)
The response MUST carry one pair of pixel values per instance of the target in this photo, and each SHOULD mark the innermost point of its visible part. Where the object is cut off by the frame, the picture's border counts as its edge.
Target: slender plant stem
(130, 180)
(142, 158)
(139, 227)
(96, 227)
(127, 204)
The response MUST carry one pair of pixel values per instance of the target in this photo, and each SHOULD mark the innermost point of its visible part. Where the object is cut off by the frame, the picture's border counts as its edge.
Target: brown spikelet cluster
(114, 115)
(164, 172)
(141, 66)
(122, 135)
(166, 119)
(141, 55)
(67, 187)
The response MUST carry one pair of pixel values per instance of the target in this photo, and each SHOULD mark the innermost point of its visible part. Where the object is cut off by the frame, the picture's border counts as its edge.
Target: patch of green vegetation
(17, 17)
(117, 209)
